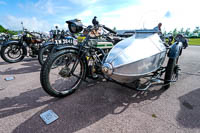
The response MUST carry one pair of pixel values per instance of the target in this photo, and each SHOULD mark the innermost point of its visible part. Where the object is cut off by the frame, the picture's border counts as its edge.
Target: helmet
(75, 26)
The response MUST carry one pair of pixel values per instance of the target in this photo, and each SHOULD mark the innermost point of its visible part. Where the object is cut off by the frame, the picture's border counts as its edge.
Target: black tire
(170, 73)
(44, 53)
(47, 74)
(13, 49)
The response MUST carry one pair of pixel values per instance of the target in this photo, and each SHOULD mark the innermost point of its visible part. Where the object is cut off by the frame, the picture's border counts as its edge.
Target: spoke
(67, 79)
(76, 76)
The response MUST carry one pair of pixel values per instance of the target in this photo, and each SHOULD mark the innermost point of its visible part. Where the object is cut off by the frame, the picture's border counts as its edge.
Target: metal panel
(49, 116)
(137, 69)
(136, 56)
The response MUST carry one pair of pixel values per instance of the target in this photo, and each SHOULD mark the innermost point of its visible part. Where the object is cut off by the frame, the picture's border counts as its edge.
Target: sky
(43, 15)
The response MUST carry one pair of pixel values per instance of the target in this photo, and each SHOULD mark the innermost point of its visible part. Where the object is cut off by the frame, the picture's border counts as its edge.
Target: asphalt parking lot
(101, 107)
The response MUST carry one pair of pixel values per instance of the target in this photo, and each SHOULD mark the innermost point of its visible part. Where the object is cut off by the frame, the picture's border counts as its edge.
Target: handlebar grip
(108, 29)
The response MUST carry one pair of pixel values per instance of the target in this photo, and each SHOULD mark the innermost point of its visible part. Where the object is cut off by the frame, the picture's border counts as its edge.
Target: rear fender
(48, 43)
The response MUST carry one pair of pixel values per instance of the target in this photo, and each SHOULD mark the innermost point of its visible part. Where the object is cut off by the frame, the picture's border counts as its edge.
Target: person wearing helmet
(158, 30)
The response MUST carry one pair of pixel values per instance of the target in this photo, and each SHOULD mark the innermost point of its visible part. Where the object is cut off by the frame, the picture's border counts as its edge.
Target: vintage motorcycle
(138, 57)
(57, 38)
(3, 38)
(14, 51)
(66, 38)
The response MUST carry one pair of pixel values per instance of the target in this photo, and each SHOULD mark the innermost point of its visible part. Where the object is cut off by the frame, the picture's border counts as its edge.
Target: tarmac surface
(101, 107)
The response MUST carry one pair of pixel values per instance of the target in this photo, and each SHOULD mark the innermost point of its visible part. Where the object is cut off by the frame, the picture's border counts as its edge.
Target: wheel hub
(65, 72)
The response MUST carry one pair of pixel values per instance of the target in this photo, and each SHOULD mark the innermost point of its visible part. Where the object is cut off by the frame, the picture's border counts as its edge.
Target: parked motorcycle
(3, 38)
(62, 39)
(57, 37)
(140, 56)
(27, 43)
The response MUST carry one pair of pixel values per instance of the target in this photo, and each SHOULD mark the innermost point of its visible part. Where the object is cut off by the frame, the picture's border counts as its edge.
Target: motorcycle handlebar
(110, 30)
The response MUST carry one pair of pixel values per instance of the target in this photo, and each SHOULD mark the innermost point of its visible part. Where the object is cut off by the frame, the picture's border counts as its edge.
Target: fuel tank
(135, 57)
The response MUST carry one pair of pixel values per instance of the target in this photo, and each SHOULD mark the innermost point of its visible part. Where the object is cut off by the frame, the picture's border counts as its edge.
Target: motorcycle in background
(27, 44)
(57, 38)
(3, 38)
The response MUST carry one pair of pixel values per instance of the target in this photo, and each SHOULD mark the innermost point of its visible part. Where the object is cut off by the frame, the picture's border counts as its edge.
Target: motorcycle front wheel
(57, 76)
(13, 53)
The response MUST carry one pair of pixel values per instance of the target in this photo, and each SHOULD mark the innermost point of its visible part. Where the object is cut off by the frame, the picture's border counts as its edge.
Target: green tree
(2, 29)
(187, 31)
(196, 30)
(182, 31)
(174, 32)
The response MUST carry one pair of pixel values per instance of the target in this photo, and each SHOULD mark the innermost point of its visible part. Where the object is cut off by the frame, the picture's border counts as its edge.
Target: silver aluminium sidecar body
(135, 57)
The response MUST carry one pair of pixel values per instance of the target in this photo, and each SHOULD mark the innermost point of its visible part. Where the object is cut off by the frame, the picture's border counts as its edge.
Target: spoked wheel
(44, 53)
(171, 74)
(58, 78)
(13, 53)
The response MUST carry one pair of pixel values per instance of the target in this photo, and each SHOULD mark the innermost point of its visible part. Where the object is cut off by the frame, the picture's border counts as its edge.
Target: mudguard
(175, 50)
(17, 43)
(62, 47)
(11, 42)
(47, 43)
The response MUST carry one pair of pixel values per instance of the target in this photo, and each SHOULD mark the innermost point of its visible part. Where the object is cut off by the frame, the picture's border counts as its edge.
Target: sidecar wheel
(59, 81)
(13, 53)
(170, 73)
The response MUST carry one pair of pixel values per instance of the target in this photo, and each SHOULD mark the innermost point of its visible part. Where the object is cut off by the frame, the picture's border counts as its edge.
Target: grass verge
(194, 41)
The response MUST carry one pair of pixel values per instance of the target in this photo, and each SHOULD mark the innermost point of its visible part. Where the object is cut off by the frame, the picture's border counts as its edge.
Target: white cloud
(83, 2)
(87, 15)
(144, 14)
(3, 3)
(183, 12)
(20, 5)
(147, 14)
(131, 17)
(45, 6)
(32, 24)
(49, 7)
(84, 14)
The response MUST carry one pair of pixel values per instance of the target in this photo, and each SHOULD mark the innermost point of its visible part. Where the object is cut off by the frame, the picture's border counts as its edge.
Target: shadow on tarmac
(3, 63)
(29, 67)
(87, 106)
(23, 102)
(188, 116)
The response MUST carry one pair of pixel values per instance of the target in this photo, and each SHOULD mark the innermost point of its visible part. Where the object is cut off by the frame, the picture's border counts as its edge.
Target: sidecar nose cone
(107, 69)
